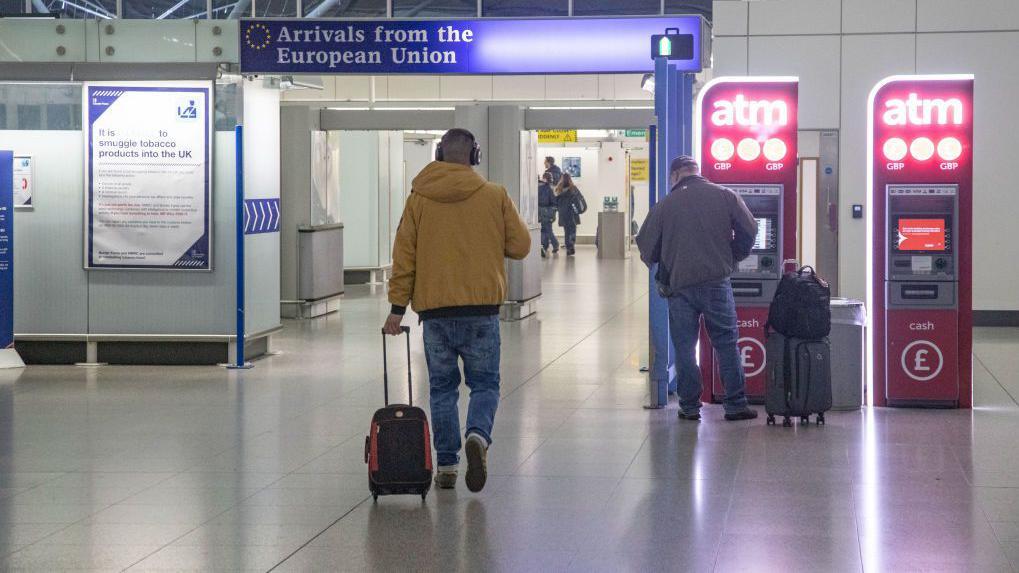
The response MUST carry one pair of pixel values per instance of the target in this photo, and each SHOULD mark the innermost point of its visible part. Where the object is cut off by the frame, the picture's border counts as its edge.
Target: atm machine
(746, 136)
(920, 240)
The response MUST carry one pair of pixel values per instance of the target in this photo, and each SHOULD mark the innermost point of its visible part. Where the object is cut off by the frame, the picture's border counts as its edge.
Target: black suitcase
(799, 379)
(398, 449)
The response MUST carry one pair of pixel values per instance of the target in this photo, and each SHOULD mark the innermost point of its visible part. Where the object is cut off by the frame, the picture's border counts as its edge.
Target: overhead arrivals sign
(478, 46)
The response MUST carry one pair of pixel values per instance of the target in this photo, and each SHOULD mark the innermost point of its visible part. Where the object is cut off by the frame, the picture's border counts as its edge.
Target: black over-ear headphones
(475, 158)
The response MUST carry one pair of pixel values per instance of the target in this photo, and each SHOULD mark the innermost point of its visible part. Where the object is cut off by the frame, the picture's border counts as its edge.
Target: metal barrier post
(239, 362)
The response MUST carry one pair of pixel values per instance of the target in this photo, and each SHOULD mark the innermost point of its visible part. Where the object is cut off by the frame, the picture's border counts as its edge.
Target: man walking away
(552, 169)
(696, 235)
(449, 263)
(547, 208)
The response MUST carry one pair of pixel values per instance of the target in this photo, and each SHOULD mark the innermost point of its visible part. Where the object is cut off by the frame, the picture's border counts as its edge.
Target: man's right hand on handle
(392, 325)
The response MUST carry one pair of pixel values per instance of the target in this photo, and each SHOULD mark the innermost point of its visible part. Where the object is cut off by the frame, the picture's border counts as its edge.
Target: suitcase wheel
(375, 497)
(771, 419)
(820, 420)
(787, 423)
(804, 420)
(424, 495)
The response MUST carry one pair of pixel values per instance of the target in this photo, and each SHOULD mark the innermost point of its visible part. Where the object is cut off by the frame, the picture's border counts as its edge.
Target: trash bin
(848, 319)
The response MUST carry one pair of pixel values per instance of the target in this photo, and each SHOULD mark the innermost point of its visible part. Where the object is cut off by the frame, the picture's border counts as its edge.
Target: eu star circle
(258, 36)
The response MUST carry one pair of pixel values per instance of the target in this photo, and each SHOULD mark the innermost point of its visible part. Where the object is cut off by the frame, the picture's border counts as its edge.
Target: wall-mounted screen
(766, 238)
(922, 234)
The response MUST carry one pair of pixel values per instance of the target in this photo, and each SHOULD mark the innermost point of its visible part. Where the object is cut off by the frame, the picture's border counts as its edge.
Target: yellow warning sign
(557, 136)
(638, 169)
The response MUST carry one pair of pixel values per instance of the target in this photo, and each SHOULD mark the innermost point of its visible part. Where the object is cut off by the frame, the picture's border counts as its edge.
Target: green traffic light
(665, 46)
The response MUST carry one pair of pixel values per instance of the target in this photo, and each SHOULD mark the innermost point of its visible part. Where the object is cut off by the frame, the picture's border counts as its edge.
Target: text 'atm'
(746, 139)
(920, 241)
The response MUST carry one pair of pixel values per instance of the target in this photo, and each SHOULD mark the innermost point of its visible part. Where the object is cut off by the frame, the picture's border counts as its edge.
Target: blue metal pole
(658, 310)
(239, 183)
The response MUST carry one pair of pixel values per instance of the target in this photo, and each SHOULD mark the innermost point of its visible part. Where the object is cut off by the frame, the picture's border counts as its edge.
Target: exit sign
(636, 133)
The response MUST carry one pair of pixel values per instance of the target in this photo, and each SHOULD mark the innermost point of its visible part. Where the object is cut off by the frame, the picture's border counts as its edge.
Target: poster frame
(204, 87)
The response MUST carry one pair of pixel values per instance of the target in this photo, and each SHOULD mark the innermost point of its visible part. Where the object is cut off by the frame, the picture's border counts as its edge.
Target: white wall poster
(22, 182)
(148, 175)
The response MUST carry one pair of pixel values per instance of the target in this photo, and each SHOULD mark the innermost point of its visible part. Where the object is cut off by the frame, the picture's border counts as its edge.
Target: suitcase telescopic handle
(385, 368)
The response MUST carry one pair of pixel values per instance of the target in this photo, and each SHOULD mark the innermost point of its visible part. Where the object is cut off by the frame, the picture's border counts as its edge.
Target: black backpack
(801, 307)
(579, 203)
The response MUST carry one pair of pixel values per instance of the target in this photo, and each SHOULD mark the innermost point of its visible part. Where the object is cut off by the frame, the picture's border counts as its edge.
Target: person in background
(696, 236)
(552, 169)
(546, 215)
(449, 262)
(567, 199)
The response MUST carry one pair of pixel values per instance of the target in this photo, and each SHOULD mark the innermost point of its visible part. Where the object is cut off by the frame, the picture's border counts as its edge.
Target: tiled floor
(172, 469)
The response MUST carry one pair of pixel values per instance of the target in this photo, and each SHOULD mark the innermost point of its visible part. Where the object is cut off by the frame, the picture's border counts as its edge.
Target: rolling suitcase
(398, 448)
(799, 379)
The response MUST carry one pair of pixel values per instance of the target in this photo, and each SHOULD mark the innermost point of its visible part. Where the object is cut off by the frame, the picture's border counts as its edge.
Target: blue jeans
(474, 340)
(570, 233)
(713, 301)
(548, 236)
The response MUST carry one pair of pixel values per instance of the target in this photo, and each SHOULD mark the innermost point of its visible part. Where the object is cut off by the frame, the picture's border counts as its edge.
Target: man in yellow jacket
(449, 263)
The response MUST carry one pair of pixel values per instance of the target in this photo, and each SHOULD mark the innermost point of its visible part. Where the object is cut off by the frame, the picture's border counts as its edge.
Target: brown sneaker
(477, 462)
(445, 478)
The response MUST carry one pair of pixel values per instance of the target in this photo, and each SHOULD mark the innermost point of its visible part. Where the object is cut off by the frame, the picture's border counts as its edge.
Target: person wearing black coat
(547, 209)
(567, 200)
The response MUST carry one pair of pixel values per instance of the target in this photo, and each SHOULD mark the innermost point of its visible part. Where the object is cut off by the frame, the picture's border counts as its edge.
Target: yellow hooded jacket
(449, 255)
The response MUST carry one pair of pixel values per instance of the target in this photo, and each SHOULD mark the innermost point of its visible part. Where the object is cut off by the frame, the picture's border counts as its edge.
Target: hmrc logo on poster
(482, 46)
(187, 110)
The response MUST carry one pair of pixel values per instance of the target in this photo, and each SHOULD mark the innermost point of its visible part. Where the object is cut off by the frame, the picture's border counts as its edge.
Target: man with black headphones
(449, 264)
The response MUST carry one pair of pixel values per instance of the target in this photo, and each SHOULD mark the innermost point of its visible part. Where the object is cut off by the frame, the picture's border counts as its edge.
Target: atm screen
(765, 240)
(922, 235)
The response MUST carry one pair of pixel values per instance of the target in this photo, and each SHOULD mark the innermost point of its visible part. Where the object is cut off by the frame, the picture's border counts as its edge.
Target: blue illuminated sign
(6, 249)
(483, 46)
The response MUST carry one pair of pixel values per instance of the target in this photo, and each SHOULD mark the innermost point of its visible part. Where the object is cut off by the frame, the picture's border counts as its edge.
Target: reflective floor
(177, 469)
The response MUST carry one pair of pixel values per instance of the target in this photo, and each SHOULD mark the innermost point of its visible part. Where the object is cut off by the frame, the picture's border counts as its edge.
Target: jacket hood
(447, 182)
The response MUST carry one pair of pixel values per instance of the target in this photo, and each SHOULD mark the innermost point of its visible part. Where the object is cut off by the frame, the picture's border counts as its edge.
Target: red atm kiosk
(745, 139)
(920, 241)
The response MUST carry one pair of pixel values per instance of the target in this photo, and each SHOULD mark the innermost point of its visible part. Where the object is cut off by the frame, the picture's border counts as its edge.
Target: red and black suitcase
(398, 449)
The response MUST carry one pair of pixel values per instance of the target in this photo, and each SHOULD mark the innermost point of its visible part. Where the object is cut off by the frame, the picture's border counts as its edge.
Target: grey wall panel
(995, 202)
(962, 15)
(171, 302)
(782, 17)
(359, 191)
(475, 119)
(262, 292)
(865, 61)
(875, 16)
(50, 288)
(296, 123)
(261, 181)
(729, 57)
(729, 18)
(815, 60)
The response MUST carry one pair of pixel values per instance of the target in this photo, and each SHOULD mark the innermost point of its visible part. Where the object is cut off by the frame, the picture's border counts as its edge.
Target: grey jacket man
(697, 234)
